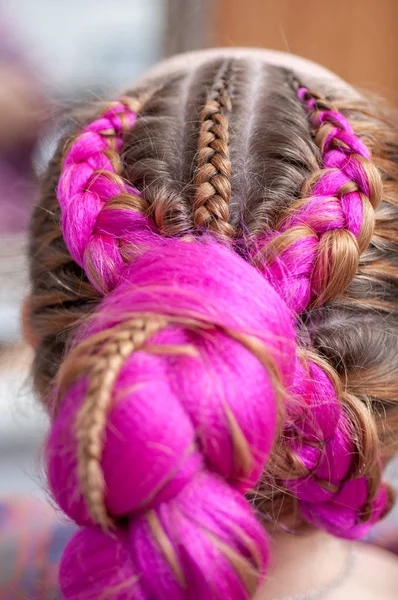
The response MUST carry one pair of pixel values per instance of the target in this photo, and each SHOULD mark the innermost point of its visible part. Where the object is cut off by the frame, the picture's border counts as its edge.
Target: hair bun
(167, 414)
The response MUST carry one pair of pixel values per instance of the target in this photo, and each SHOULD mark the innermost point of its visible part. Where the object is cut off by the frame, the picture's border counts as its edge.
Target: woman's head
(214, 297)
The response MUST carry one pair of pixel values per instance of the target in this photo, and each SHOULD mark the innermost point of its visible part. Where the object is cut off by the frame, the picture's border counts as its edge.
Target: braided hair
(213, 175)
(186, 278)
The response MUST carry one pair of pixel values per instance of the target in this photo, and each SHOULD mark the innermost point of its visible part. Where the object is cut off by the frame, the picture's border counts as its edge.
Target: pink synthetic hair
(163, 463)
(189, 432)
(89, 180)
(341, 199)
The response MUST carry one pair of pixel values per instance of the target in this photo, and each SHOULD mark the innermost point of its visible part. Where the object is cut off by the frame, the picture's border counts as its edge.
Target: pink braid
(320, 434)
(89, 189)
(166, 418)
(304, 257)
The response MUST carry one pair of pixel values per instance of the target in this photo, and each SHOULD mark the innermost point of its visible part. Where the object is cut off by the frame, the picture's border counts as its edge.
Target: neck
(303, 562)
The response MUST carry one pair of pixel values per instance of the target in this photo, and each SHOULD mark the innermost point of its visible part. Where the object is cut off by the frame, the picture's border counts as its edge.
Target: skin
(308, 561)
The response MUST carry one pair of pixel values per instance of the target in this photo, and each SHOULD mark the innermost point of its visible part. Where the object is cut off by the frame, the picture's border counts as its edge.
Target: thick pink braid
(314, 253)
(167, 408)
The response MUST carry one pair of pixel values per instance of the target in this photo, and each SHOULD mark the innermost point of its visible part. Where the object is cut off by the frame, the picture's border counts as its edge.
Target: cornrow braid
(314, 253)
(213, 173)
(328, 456)
(323, 464)
(100, 210)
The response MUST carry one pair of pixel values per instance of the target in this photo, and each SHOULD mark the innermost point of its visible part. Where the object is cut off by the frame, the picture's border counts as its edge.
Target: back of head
(214, 294)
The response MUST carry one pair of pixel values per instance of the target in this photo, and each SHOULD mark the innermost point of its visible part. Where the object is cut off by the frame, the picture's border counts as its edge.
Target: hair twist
(313, 254)
(213, 173)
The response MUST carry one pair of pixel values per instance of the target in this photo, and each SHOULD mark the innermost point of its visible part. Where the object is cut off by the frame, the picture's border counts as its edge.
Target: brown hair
(228, 146)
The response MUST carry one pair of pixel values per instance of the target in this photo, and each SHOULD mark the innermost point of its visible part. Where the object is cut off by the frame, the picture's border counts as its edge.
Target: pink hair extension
(90, 180)
(187, 433)
(330, 497)
(167, 405)
(320, 433)
(342, 198)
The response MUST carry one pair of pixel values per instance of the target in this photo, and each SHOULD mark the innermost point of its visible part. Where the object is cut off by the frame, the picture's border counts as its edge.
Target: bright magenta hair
(206, 360)
(341, 199)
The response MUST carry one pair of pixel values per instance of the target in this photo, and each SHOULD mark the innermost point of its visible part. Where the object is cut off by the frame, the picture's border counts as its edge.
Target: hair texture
(213, 174)
(318, 241)
(214, 284)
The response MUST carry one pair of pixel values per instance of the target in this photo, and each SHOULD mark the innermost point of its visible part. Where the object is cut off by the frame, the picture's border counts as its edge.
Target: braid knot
(169, 400)
(167, 415)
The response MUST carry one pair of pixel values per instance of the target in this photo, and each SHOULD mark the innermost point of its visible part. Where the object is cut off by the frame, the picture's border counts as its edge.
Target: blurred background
(53, 53)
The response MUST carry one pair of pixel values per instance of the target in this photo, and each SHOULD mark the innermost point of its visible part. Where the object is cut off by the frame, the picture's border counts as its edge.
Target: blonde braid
(213, 175)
